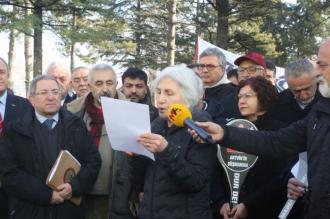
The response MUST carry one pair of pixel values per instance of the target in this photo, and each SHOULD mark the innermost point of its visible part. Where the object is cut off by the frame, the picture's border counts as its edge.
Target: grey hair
(33, 85)
(101, 67)
(57, 65)
(5, 63)
(191, 85)
(78, 68)
(298, 68)
(212, 51)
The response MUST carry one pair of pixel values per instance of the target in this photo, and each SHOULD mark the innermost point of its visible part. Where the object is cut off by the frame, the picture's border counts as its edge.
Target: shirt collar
(304, 105)
(41, 118)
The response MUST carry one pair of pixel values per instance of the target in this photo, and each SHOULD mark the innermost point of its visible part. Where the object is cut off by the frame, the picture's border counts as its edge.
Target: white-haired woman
(176, 185)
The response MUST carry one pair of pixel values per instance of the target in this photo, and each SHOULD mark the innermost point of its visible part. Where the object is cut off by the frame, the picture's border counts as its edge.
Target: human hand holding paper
(125, 121)
(153, 142)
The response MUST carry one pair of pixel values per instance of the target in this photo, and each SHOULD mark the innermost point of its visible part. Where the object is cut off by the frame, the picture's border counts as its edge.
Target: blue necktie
(49, 123)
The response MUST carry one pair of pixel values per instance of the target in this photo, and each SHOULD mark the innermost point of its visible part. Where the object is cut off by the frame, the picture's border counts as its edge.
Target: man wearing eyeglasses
(11, 108)
(295, 102)
(29, 149)
(211, 68)
(250, 65)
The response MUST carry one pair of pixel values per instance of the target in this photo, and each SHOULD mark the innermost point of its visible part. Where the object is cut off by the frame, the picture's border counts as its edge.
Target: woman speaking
(176, 184)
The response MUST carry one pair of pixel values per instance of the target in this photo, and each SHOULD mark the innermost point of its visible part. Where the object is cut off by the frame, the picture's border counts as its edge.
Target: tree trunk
(28, 51)
(13, 43)
(138, 35)
(223, 26)
(37, 42)
(171, 32)
(73, 43)
(72, 56)
(198, 25)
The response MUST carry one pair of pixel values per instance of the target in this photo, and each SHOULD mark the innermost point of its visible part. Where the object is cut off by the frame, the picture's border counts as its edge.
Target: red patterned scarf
(97, 119)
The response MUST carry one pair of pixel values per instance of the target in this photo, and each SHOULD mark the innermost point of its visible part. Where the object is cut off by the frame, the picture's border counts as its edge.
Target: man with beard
(135, 88)
(109, 198)
(312, 134)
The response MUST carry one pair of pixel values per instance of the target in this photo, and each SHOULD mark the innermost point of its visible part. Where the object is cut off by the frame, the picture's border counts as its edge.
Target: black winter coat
(287, 110)
(213, 100)
(311, 134)
(176, 185)
(29, 197)
(15, 108)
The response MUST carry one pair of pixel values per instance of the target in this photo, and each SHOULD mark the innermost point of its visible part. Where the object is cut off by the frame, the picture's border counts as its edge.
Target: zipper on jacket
(316, 120)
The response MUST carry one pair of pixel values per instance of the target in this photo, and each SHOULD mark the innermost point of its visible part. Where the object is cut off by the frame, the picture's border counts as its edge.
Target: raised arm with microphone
(180, 116)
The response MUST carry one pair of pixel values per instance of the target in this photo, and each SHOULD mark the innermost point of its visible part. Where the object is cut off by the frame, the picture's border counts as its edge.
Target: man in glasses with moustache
(104, 200)
(211, 69)
(29, 148)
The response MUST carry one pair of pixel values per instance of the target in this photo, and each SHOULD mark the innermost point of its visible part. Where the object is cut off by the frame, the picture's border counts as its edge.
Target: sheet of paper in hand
(300, 172)
(236, 163)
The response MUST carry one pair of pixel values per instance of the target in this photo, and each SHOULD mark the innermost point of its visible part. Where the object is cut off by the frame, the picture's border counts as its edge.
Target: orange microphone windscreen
(178, 113)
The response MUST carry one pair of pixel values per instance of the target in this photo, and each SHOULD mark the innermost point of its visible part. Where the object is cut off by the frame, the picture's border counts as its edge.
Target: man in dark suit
(29, 148)
(11, 107)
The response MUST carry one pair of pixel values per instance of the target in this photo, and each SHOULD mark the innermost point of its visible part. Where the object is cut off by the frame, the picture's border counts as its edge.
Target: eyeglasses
(246, 95)
(249, 70)
(209, 67)
(48, 92)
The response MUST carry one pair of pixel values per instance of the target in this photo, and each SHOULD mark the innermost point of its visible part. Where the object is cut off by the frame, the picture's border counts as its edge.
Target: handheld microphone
(180, 116)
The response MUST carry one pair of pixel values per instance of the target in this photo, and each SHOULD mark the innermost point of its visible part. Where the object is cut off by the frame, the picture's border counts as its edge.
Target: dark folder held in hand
(66, 167)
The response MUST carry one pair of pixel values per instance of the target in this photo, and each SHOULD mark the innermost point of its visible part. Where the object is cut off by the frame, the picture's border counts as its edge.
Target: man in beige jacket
(109, 197)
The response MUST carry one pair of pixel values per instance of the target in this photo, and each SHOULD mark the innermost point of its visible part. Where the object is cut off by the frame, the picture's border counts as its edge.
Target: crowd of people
(63, 111)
